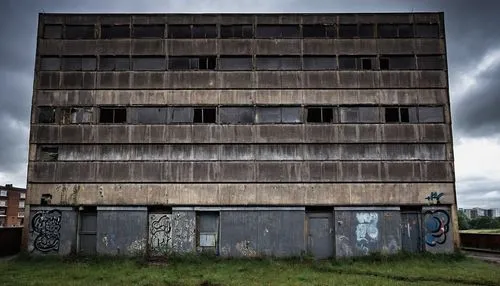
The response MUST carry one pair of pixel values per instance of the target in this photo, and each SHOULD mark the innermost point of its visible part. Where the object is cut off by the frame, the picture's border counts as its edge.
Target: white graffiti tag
(366, 230)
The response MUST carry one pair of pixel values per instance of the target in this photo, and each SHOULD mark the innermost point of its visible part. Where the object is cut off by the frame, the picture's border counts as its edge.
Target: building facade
(241, 135)
(12, 203)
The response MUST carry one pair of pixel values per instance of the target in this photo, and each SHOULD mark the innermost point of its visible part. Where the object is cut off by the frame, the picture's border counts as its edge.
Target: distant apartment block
(12, 204)
(479, 212)
(241, 135)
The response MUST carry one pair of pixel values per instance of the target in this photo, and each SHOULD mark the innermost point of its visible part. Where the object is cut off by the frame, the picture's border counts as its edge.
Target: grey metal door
(320, 235)
(411, 236)
(88, 233)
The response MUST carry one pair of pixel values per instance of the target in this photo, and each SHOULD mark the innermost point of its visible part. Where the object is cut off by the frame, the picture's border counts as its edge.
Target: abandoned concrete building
(241, 135)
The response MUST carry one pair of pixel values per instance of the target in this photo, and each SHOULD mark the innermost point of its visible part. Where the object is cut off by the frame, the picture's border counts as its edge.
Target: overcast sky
(473, 43)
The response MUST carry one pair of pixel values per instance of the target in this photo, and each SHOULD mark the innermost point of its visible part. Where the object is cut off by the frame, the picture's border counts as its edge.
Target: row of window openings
(399, 62)
(244, 115)
(343, 31)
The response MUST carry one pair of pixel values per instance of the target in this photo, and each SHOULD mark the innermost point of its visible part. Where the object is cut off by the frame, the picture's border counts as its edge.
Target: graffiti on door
(160, 238)
(45, 226)
(366, 230)
(436, 224)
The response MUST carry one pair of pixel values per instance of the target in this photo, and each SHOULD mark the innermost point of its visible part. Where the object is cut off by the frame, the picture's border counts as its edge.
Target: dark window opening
(235, 63)
(348, 31)
(430, 63)
(320, 115)
(366, 31)
(404, 114)
(236, 31)
(208, 63)
(204, 115)
(320, 63)
(366, 64)
(79, 32)
(278, 31)
(49, 154)
(52, 31)
(427, 31)
(148, 31)
(113, 115)
(400, 62)
(187, 63)
(148, 63)
(76, 115)
(114, 63)
(319, 31)
(115, 32)
(314, 115)
(387, 31)
(46, 115)
(391, 114)
(79, 63)
(45, 199)
(179, 31)
(204, 31)
(405, 31)
(384, 63)
(50, 64)
(347, 63)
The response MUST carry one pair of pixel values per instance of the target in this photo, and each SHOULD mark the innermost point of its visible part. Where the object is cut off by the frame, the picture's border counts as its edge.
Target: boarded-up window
(50, 63)
(236, 115)
(235, 63)
(114, 63)
(207, 226)
(79, 63)
(236, 31)
(359, 114)
(113, 115)
(76, 115)
(48, 153)
(278, 63)
(322, 115)
(278, 115)
(148, 115)
(430, 63)
(430, 114)
(427, 31)
(278, 31)
(320, 63)
(46, 115)
(148, 31)
(115, 32)
(347, 63)
(148, 63)
(77, 32)
(52, 31)
(181, 115)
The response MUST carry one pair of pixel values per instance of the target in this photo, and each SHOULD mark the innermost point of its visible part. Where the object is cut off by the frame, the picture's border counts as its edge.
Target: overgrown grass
(402, 269)
(493, 231)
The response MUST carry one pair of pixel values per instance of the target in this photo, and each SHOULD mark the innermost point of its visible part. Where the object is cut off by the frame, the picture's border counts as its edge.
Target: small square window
(391, 114)
(404, 114)
(384, 63)
(46, 115)
(48, 154)
(366, 64)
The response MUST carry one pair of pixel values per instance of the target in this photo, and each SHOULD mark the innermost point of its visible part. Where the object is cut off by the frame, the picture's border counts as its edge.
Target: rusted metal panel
(480, 240)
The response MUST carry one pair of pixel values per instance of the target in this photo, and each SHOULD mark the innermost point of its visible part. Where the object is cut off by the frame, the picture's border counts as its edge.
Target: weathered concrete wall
(122, 230)
(247, 233)
(438, 229)
(360, 231)
(52, 230)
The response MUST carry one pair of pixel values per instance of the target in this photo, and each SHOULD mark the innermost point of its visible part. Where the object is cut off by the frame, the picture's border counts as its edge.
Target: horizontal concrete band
(248, 152)
(147, 97)
(234, 18)
(243, 171)
(238, 209)
(49, 208)
(241, 194)
(367, 208)
(242, 80)
(118, 208)
(302, 133)
(182, 47)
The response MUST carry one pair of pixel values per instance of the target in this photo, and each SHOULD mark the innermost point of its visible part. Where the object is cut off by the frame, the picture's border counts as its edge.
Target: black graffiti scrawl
(45, 226)
(160, 232)
(436, 226)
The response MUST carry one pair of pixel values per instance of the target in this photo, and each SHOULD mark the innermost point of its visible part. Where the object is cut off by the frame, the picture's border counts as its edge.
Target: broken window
(45, 199)
(278, 31)
(430, 114)
(181, 115)
(179, 31)
(114, 63)
(319, 31)
(204, 31)
(192, 63)
(397, 63)
(148, 115)
(148, 63)
(79, 32)
(359, 114)
(52, 31)
(76, 115)
(431, 63)
(427, 31)
(148, 31)
(48, 154)
(278, 63)
(50, 63)
(235, 63)
(79, 63)
(322, 114)
(204, 115)
(113, 115)
(207, 229)
(46, 115)
(320, 63)
(347, 63)
(348, 31)
(236, 31)
(400, 114)
(236, 115)
(366, 31)
(115, 32)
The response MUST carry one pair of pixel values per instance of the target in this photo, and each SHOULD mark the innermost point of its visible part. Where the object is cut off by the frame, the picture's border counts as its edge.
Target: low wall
(10, 240)
(480, 240)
